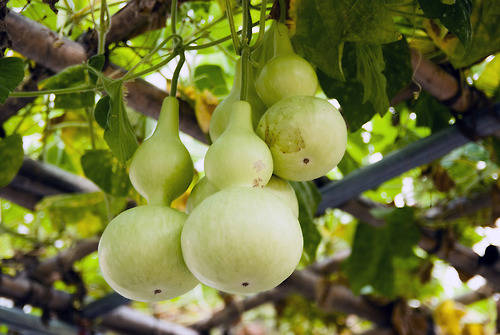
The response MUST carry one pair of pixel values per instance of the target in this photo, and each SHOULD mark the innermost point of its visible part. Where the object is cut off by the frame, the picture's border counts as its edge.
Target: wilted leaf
(11, 158)
(106, 172)
(11, 74)
(447, 316)
(309, 199)
(205, 105)
(118, 132)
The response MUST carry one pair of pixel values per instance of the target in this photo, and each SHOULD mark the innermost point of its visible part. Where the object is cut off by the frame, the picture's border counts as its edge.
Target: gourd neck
(282, 44)
(241, 116)
(237, 78)
(168, 121)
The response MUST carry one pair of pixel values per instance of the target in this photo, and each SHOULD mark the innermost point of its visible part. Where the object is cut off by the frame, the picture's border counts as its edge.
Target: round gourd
(286, 74)
(285, 192)
(140, 254)
(242, 240)
(279, 187)
(202, 190)
(161, 168)
(239, 157)
(307, 137)
(222, 113)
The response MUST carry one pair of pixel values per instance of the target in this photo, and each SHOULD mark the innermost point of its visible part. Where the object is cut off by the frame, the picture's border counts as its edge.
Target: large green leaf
(118, 132)
(455, 17)
(323, 26)
(11, 74)
(398, 70)
(359, 98)
(72, 76)
(370, 65)
(309, 199)
(431, 113)
(106, 171)
(210, 77)
(11, 158)
(375, 248)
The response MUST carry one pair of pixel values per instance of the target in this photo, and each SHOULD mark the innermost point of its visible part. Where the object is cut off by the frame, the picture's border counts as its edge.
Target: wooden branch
(37, 42)
(51, 269)
(124, 319)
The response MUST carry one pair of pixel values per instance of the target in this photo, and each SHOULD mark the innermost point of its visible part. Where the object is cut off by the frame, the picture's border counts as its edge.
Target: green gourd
(239, 157)
(222, 113)
(307, 137)
(242, 240)
(202, 190)
(286, 74)
(161, 168)
(140, 254)
(279, 187)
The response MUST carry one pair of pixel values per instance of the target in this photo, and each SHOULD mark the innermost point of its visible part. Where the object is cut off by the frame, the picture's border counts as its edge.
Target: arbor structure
(419, 179)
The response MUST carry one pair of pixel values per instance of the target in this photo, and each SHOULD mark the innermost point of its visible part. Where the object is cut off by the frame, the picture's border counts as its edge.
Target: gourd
(202, 190)
(307, 137)
(161, 168)
(140, 254)
(242, 240)
(286, 74)
(239, 157)
(285, 192)
(277, 186)
(222, 113)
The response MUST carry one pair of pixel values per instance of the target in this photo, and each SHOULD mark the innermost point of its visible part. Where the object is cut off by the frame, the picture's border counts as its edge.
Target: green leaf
(375, 248)
(322, 27)
(97, 63)
(11, 158)
(101, 111)
(370, 65)
(118, 132)
(106, 172)
(455, 17)
(11, 74)
(349, 93)
(347, 164)
(309, 199)
(398, 71)
(431, 113)
(210, 77)
(72, 76)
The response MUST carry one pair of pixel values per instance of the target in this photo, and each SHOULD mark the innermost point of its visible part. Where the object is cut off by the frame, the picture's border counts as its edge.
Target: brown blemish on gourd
(257, 182)
(245, 284)
(287, 141)
(157, 291)
(306, 161)
(259, 165)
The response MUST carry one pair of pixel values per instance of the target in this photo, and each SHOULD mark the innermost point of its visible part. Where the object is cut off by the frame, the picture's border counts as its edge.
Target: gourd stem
(282, 44)
(245, 69)
(282, 11)
(168, 121)
(232, 28)
(177, 71)
(173, 16)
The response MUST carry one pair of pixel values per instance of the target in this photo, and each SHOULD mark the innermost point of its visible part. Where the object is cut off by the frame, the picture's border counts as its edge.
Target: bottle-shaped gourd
(286, 74)
(239, 157)
(161, 168)
(222, 113)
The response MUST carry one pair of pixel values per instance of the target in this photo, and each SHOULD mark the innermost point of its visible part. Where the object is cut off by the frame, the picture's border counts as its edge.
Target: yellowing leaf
(473, 329)
(205, 104)
(447, 316)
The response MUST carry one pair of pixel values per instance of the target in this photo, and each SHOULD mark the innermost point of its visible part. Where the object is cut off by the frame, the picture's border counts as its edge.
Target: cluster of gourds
(242, 233)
